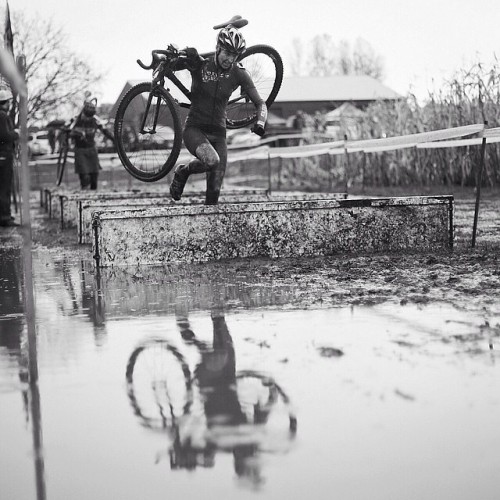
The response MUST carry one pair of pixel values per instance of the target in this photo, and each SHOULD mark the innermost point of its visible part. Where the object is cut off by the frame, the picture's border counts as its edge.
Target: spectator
(8, 137)
(299, 121)
(319, 122)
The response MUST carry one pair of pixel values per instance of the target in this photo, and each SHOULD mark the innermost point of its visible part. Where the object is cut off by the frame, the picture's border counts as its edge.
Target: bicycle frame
(170, 75)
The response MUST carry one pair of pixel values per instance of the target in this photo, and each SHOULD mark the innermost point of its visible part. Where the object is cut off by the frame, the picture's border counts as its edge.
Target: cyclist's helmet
(231, 40)
(89, 107)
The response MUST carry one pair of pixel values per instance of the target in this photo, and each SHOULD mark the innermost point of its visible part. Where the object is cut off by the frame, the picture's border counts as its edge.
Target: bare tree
(296, 58)
(323, 57)
(345, 66)
(366, 61)
(56, 76)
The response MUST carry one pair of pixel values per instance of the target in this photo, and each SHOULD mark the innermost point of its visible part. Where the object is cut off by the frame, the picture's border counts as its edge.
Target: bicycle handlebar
(159, 56)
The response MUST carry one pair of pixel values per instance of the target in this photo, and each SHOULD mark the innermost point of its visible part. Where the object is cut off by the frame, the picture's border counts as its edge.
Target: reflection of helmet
(5, 95)
(231, 39)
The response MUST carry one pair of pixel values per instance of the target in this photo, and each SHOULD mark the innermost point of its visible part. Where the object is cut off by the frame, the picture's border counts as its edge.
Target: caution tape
(461, 143)
(411, 139)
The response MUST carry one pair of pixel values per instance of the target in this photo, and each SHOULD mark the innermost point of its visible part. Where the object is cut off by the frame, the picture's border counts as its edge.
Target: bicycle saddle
(236, 21)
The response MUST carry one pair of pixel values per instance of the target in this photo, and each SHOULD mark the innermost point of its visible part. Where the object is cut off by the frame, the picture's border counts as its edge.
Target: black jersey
(211, 89)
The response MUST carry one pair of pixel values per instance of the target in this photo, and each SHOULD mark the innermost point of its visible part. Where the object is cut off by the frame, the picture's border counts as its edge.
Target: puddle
(215, 386)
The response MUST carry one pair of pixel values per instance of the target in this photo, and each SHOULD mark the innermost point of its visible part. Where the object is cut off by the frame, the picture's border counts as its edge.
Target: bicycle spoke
(264, 65)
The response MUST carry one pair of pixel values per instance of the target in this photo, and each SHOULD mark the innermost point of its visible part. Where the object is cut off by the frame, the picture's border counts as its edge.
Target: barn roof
(334, 88)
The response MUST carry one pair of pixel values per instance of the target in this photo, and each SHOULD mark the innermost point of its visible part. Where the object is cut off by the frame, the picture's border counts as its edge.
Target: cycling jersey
(84, 128)
(211, 89)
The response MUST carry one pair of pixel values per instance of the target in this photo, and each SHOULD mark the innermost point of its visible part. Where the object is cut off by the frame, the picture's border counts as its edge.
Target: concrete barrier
(272, 229)
(68, 207)
(62, 203)
(87, 207)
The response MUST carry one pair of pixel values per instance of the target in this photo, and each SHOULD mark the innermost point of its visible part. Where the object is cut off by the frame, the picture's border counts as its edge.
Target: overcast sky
(420, 41)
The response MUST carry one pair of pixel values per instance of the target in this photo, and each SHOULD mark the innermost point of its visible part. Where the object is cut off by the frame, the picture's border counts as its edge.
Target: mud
(467, 278)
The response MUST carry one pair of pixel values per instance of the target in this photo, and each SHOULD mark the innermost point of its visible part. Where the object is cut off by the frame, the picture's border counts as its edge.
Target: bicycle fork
(156, 112)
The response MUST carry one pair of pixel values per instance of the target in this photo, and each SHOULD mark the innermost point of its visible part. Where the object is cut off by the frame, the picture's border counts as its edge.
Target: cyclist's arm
(249, 87)
(102, 127)
(260, 104)
(106, 133)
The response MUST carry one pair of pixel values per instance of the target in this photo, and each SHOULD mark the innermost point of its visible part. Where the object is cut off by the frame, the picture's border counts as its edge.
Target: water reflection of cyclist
(216, 377)
(213, 81)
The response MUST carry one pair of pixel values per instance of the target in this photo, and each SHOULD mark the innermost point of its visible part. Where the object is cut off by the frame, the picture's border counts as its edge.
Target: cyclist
(213, 81)
(8, 138)
(82, 131)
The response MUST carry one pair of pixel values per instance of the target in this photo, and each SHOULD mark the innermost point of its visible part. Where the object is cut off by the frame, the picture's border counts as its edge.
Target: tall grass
(470, 96)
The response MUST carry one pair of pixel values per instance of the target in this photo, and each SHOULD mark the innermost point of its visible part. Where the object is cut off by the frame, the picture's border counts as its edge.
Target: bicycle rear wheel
(265, 66)
(61, 162)
(148, 132)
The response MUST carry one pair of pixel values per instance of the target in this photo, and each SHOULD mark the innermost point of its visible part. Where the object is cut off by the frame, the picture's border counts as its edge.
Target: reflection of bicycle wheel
(148, 132)
(159, 384)
(61, 161)
(263, 401)
(266, 69)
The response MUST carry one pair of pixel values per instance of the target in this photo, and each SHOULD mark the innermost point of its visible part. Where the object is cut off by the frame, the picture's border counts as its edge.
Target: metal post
(346, 164)
(269, 187)
(479, 179)
(28, 292)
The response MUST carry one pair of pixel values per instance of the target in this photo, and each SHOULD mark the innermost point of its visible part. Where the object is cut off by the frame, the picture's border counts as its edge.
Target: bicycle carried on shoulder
(148, 128)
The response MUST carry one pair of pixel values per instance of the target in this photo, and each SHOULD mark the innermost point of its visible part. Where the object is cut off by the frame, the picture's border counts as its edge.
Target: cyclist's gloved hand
(259, 128)
(191, 53)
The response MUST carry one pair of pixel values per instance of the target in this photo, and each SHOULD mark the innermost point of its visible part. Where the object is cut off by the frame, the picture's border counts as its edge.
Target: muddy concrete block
(272, 229)
(69, 204)
(88, 207)
(67, 207)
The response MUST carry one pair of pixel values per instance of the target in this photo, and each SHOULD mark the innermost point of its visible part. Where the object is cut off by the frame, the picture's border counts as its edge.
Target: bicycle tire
(149, 398)
(150, 155)
(275, 394)
(265, 66)
(61, 162)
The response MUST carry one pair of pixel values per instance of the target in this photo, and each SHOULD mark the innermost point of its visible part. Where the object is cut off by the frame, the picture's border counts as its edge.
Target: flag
(8, 37)
(8, 43)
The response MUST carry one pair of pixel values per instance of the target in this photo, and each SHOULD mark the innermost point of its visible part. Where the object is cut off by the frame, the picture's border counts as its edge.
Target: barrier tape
(424, 140)
(384, 144)
(477, 141)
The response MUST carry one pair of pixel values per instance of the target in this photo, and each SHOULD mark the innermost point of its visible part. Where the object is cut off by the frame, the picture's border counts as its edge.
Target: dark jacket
(8, 136)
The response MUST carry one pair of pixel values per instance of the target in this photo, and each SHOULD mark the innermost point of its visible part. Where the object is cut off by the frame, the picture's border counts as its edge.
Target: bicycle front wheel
(148, 132)
(265, 67)
(159, 384)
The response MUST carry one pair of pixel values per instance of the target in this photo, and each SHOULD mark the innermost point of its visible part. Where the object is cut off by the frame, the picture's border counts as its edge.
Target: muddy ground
(467, 278)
